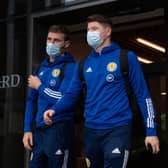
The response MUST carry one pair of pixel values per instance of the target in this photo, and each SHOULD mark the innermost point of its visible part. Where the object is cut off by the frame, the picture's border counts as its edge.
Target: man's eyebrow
(56, 39)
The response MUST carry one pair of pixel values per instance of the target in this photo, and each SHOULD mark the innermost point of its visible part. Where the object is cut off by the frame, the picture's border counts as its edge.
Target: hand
(28, 140)
(154, 142)
(34, 82)
(47, 116)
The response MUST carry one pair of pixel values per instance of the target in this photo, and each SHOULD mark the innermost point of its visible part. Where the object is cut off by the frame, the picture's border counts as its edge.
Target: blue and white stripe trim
(52, 93)
(126, 156)
(151, 116)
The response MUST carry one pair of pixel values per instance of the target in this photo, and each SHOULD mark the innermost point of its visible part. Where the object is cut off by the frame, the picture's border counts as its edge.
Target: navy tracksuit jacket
(107, 105)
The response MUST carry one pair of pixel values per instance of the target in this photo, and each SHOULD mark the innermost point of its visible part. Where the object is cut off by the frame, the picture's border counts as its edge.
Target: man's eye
(57, 40)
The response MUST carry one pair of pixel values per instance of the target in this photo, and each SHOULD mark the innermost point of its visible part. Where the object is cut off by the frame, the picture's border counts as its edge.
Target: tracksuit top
(106, 104)
(49, 92)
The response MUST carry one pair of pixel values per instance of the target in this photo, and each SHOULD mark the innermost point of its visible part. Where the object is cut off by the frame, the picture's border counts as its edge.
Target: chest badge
(52, 82)
(111, 67)
(55, 72)
(109, 78)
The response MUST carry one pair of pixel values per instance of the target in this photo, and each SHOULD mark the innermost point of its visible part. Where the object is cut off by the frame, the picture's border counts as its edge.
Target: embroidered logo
(109, 77)
(111, 67)
(41, 73)
(58, 152)
(52, 82)
(55, 72)
(116, 150)
(89, 69)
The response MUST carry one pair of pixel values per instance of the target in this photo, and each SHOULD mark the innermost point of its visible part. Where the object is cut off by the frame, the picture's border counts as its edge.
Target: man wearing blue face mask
(50, 146)
(108, 115)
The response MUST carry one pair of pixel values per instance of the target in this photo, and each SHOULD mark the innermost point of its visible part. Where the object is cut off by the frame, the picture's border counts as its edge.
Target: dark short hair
(60, 29)
(100, 18)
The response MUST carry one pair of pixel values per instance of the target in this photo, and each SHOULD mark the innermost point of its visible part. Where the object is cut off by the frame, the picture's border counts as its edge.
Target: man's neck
(51, 59)
(106, 43)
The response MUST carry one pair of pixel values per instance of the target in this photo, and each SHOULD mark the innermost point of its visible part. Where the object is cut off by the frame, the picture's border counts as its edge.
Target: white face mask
(93, 38)
(53, 50)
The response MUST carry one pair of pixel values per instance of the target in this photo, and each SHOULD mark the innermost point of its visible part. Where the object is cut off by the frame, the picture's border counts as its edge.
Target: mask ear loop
(109, 36)
(67, 44)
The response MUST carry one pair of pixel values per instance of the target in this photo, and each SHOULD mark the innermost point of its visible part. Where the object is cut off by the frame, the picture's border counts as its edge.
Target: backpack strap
(62, 71)
(80, 70)
(124, 62)
(81, 75)
(124, 69)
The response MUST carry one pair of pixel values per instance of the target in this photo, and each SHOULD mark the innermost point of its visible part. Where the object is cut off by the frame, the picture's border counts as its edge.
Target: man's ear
(109, 31)
(67, 44)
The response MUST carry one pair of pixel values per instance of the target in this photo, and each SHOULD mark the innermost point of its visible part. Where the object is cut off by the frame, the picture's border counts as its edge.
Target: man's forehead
(94, 24)
(55, 34)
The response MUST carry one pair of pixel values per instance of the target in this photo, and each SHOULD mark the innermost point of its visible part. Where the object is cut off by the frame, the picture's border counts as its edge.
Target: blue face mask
(53, 50)
(93, 38)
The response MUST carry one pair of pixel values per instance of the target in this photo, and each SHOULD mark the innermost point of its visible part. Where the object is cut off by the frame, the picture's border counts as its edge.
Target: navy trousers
(107, 148)
(52, 146)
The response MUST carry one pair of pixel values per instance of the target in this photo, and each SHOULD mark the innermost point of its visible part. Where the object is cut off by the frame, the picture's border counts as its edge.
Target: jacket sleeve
(31, 103)
(50, 95)
(71, 96)
(54, 95)
(142, 94)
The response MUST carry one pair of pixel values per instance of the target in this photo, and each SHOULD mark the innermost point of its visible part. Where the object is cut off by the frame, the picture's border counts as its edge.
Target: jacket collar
(59, 60)
(105, 50)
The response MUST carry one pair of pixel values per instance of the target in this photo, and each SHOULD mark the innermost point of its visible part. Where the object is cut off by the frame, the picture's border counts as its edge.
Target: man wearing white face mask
(108, 115)
(50, 146)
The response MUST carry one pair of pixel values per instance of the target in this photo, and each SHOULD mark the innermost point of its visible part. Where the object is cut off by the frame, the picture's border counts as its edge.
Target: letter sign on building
(10, 81)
